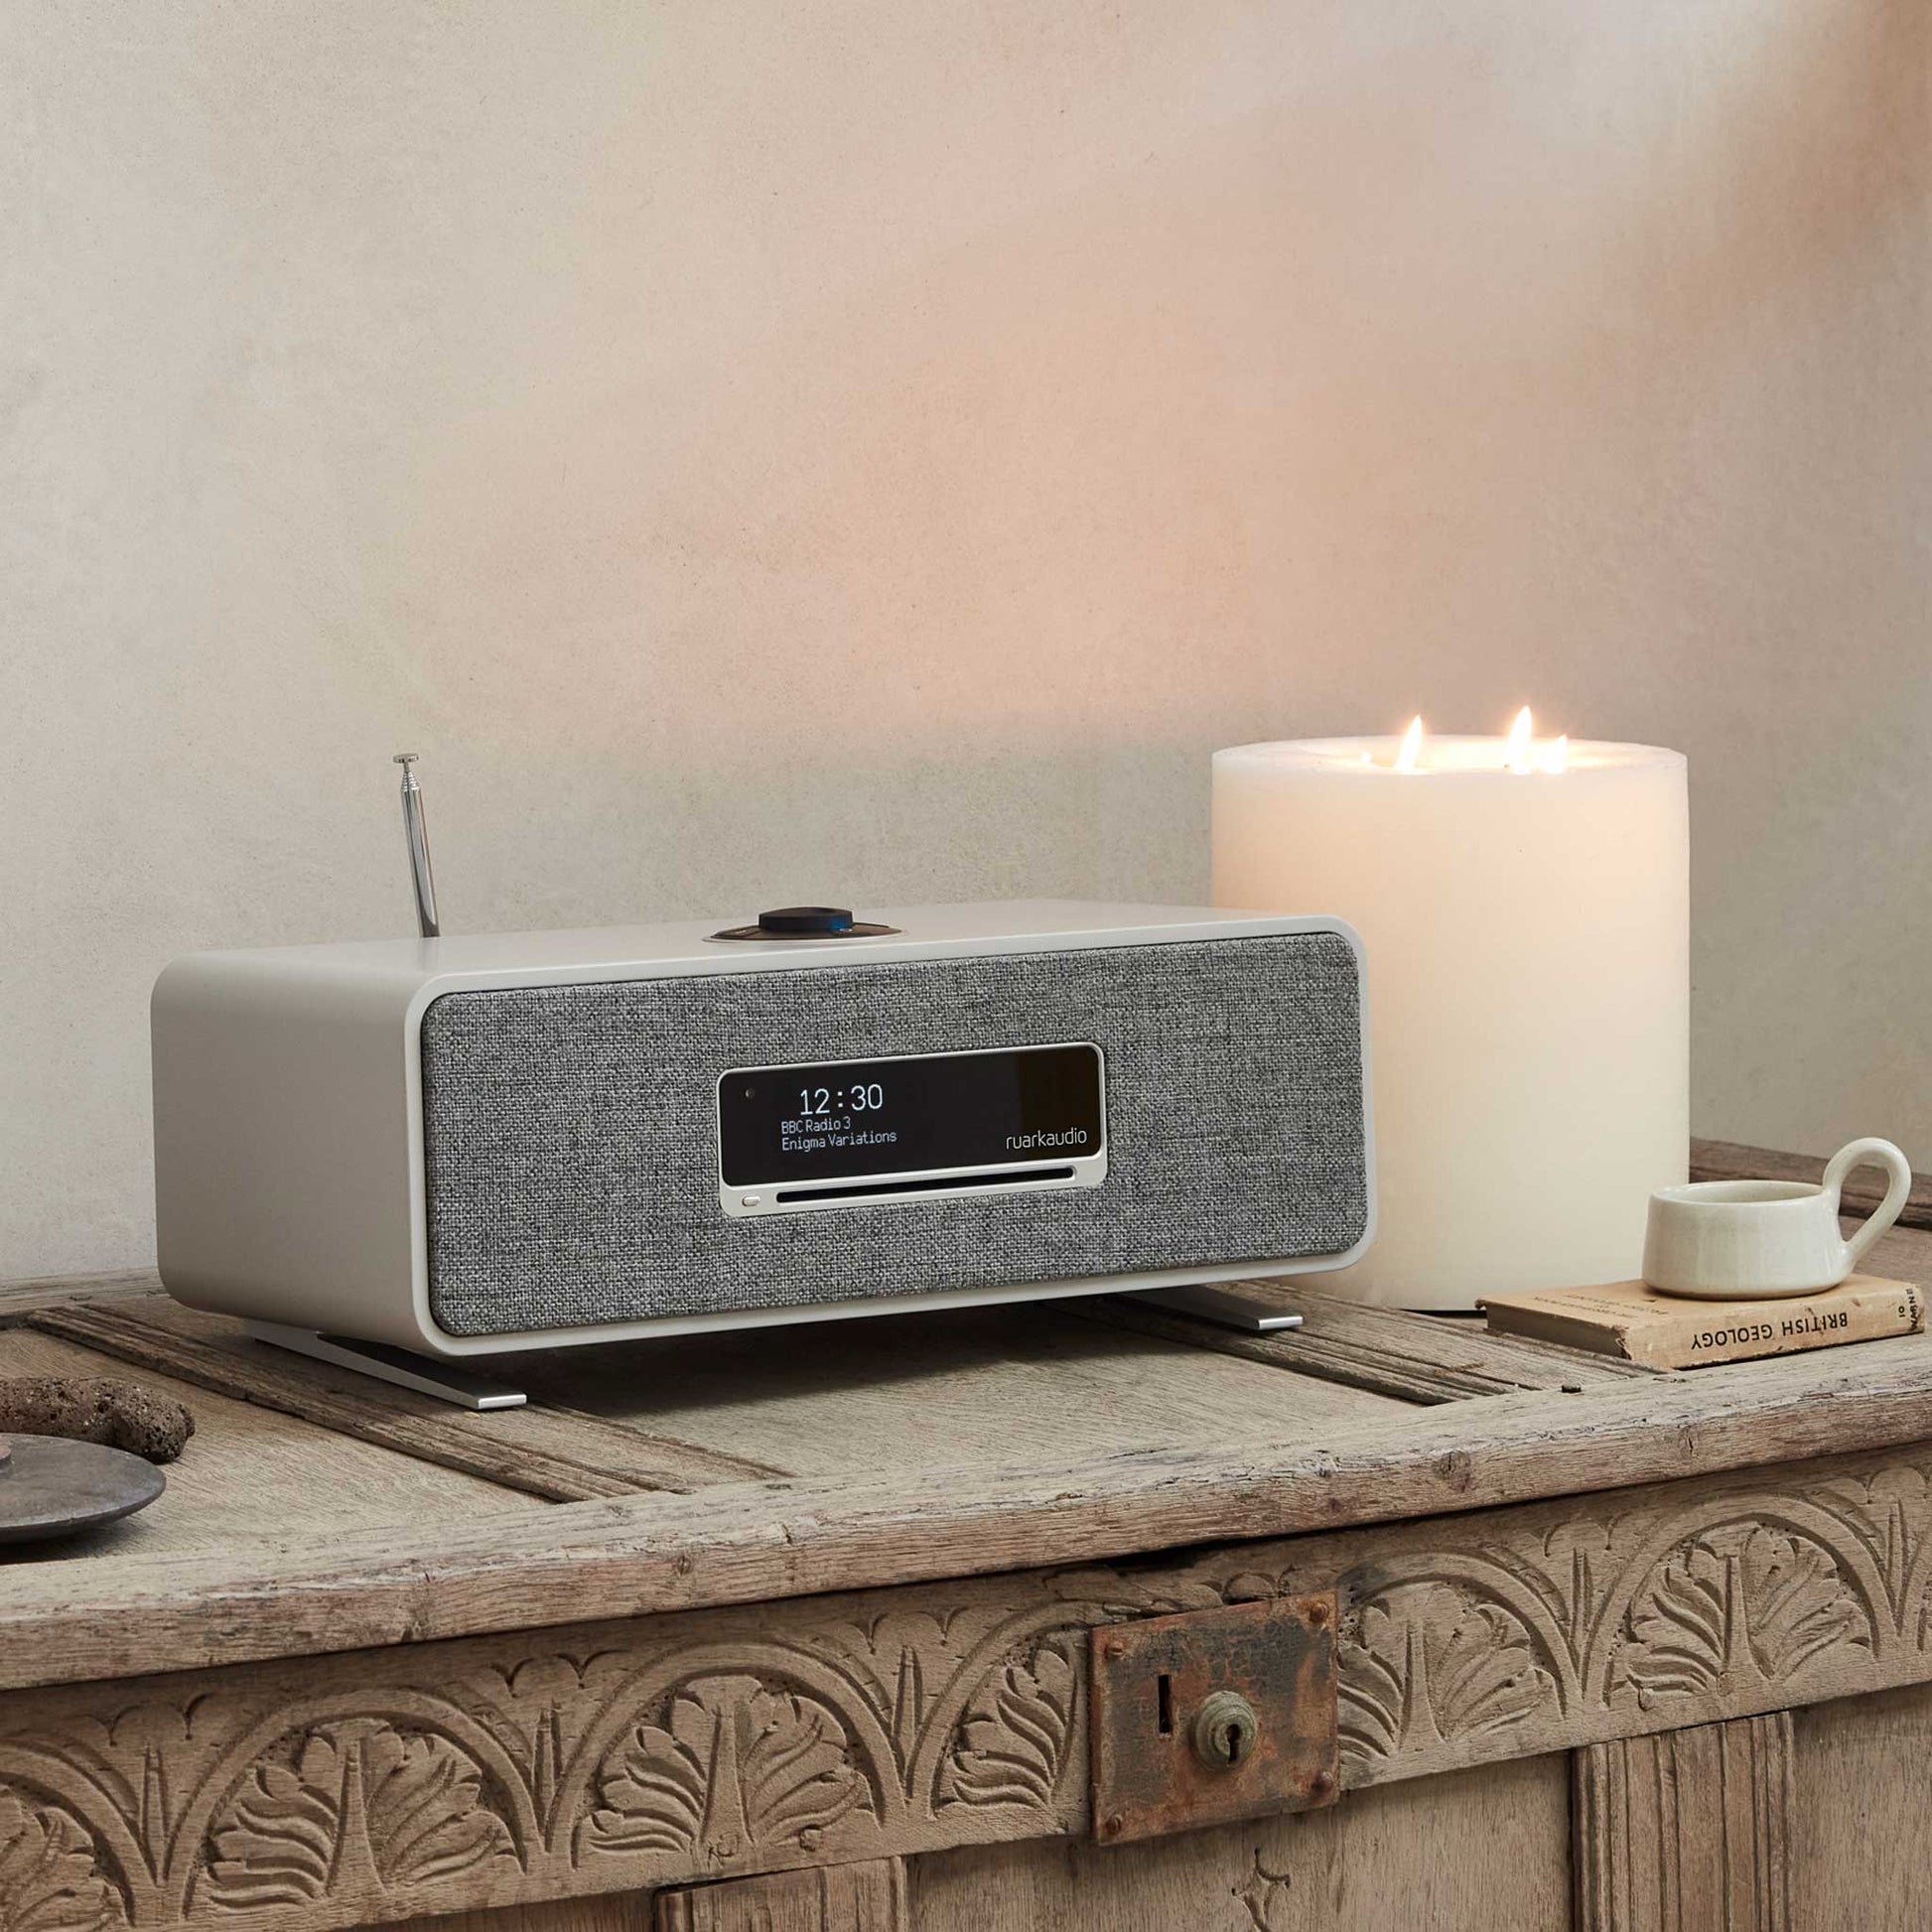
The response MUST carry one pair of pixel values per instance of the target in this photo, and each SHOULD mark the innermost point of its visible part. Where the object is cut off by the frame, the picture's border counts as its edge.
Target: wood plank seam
(507, 1449)
(1686, 1830)
(869, 1896)
(1323, 1357)
(1412, 1357)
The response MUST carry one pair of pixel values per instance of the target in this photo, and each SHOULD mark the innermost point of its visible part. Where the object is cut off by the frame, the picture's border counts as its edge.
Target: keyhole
(1166, 1693)
(1225, 1730)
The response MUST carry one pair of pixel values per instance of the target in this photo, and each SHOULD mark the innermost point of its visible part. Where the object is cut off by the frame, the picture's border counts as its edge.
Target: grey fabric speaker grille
(571, 1131)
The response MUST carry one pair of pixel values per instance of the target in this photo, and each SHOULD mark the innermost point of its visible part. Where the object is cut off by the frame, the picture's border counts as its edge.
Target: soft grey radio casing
(468, 1145)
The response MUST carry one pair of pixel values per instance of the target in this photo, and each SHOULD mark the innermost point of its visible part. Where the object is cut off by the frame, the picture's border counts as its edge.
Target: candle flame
(1554, 756)
(1411, 747)
(1517, 754)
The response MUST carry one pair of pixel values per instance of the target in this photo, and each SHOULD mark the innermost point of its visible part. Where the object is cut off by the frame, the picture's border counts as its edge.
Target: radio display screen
(1008, 1108)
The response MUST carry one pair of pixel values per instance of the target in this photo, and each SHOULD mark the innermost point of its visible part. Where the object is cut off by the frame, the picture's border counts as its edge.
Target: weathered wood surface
(1734, 1161)
(1859, 1851)
(1686, 1830)
(722, 1743)
(741, 1543)
(866, 1898)
(1384, 1350)
(614, 1912)
(1475, 1851)
(563, 1705)
(249, 1480)
(318, 1585)
(546, 1450)
(676, 1414)
(942, 1389)
(19, 1299)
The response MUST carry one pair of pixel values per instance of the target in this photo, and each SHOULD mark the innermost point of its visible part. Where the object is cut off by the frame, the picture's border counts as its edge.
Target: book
(1636, 1323)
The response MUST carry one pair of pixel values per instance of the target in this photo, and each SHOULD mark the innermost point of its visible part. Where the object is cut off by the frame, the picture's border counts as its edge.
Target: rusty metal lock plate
(1148, 1684)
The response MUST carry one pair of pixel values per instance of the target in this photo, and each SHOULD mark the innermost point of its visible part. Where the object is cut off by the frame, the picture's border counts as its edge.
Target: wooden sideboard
(794, 1633)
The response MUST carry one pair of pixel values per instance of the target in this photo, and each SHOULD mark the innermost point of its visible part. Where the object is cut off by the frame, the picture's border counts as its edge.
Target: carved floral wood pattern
(1741, 1600)
(457, 1771)
(333, 1790)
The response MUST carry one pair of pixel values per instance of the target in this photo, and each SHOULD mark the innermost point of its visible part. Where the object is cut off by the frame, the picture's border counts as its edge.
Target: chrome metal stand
(426, 1374)
(1224, 1307)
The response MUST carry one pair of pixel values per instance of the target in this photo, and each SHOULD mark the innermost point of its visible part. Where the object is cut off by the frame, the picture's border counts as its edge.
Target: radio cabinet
(470, 1146)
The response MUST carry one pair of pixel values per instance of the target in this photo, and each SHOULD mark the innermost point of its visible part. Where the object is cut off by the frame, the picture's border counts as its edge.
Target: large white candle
(1525, 915)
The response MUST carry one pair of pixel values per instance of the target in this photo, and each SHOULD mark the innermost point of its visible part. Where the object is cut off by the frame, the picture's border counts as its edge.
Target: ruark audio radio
(461, 1146)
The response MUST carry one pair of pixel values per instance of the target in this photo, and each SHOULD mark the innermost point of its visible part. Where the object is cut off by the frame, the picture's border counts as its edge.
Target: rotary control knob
(806, 922)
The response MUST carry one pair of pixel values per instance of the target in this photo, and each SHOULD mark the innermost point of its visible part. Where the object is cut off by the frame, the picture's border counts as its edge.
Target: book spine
(1594, 1332)
(1739, 1334)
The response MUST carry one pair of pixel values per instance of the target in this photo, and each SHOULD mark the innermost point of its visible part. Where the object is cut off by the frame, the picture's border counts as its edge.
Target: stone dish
(51, 1488)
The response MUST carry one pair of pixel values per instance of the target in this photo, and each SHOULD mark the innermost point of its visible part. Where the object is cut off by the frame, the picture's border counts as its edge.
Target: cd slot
(931, 1184)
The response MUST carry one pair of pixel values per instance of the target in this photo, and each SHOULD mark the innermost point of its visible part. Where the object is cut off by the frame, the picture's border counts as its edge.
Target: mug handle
(1876, 1154)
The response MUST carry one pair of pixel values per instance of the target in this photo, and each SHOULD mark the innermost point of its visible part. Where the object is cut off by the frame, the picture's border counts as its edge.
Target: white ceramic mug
(1733, 1239)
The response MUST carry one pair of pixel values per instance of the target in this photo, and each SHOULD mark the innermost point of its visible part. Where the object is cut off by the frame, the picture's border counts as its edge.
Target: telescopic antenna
(417, 834)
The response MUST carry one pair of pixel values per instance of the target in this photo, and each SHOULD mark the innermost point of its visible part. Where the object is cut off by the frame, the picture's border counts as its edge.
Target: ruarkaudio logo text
(1044, 1136)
